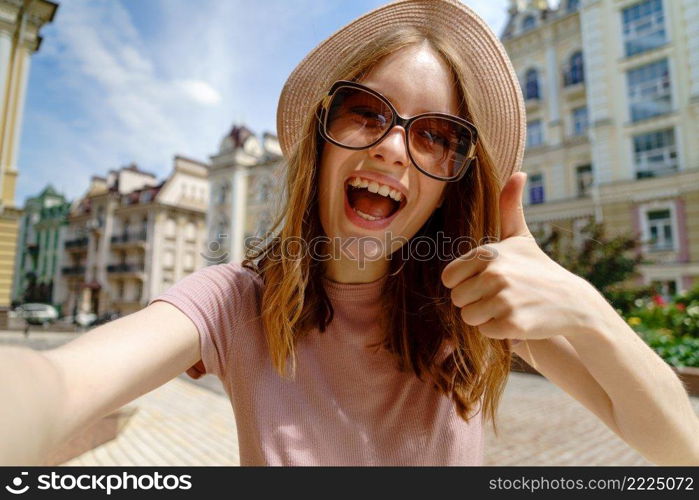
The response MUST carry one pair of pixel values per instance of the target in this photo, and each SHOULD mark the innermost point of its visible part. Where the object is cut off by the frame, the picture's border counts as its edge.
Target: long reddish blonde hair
(423, 328)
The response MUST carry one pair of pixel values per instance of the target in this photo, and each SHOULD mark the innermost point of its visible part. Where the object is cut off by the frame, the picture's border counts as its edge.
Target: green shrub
(675, 350)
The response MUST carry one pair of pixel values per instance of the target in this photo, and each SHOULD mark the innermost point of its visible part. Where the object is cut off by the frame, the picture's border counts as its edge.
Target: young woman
(338, 340)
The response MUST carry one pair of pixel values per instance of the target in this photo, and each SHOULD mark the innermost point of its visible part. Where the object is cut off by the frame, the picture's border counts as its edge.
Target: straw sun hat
(498, 106)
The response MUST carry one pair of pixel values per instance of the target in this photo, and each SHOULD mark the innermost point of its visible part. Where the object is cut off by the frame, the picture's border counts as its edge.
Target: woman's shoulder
(233, 273)
(219, 281)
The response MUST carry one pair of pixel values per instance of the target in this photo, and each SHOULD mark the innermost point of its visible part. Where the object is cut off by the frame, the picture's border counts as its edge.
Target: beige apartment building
(245, 192)
(612, 96)
(131, 237)
(20, 23)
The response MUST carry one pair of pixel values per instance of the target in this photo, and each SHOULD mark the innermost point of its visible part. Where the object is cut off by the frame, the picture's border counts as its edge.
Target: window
(531, 85)
(660, 233)
(528, 23)
(190, 231)
(666, 288)
(643, 26)
(572, 5)
(649, 90)
(583, 179)
(535, 133)
(655, 153)
(574, 72)
(580, 121)
(536, 189)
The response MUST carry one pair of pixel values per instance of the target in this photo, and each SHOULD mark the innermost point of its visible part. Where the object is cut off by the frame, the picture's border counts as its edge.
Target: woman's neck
(350, 271)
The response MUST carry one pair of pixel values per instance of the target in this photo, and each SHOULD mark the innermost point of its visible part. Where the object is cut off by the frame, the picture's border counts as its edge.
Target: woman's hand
(512, 289)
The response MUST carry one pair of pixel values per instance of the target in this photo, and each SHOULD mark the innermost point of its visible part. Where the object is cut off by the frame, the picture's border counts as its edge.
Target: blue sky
(121, 81)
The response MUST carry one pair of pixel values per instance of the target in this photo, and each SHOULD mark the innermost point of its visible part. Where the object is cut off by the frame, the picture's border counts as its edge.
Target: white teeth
(365, 216)
(375, 187)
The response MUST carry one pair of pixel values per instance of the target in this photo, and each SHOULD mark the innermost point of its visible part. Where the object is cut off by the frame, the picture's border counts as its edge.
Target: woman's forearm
(31, 392)
(650, 405)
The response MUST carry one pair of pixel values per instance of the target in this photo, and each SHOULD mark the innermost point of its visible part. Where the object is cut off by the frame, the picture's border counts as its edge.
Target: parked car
(85, 319)
(37, 314)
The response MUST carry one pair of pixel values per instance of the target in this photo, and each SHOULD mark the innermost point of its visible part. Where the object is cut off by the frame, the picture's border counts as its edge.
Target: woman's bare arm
(49, 396)
(614, 374)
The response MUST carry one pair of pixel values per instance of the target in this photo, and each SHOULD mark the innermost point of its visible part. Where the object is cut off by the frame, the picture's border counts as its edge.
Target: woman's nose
(392, 149)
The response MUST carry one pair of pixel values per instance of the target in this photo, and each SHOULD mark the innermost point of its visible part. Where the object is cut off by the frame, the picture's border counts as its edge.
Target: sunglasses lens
(440, 146)
(356, 118)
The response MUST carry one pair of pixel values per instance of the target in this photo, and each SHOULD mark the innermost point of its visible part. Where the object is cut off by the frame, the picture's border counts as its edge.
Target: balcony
(125, 268)
(73, 270)
(76, 244)
(126, 239)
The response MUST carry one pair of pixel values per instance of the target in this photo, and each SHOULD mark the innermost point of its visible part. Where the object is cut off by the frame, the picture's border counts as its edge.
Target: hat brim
(498, 107)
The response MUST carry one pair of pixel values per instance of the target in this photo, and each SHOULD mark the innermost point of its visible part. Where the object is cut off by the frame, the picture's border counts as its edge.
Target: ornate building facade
(612, 95)
(245, 192)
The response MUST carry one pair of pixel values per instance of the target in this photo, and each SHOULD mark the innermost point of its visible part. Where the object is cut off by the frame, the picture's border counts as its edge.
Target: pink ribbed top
(348, 405)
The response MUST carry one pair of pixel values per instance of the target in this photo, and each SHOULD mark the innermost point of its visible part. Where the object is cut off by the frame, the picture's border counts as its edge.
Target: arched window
(531, 85)
(528, 23)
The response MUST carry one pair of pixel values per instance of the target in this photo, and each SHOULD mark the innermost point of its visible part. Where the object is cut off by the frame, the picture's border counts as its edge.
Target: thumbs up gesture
(513, 290)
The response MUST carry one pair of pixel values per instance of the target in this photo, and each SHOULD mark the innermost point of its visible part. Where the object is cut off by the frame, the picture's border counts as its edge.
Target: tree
(606, 262)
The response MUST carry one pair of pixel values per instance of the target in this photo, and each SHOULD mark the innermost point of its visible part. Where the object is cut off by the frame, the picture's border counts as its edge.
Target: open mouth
(372, 201)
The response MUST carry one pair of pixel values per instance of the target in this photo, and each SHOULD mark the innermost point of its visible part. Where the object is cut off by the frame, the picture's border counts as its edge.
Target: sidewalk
(179, 423)
(184, 424)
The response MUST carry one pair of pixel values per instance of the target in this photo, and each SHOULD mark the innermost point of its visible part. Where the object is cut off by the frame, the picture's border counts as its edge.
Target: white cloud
(201, 91)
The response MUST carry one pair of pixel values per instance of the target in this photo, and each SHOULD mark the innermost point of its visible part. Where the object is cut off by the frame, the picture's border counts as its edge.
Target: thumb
(512, 221)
